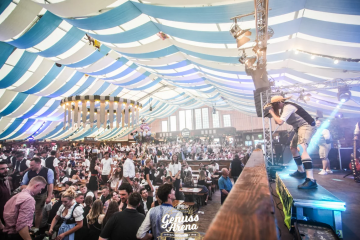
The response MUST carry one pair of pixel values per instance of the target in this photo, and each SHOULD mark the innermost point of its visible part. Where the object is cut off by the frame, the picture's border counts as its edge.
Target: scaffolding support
(267, 131)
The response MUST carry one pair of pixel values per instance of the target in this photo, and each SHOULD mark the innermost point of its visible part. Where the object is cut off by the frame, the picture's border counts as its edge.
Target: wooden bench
(248, 211)
(182, 202)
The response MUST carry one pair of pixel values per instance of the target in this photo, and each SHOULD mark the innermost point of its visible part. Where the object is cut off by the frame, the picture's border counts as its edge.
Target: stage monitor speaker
(257, 100)
(319, 114)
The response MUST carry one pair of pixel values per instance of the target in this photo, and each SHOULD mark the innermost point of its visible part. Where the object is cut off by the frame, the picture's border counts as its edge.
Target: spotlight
(336, 61)
(242, 59)
(312, 57)
(240, 34)
(250, 61)
(344, 94)
(307, 97)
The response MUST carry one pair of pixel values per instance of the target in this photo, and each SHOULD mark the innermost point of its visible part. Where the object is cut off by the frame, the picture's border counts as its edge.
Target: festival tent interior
(160, 55)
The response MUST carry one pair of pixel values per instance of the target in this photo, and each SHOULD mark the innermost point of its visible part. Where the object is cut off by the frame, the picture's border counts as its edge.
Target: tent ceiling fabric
(198, 63)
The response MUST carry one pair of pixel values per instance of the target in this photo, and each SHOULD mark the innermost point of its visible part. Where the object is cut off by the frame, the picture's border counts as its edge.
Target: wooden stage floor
(343, 188)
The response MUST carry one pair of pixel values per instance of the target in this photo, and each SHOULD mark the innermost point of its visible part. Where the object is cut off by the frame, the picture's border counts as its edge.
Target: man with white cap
(304, 127)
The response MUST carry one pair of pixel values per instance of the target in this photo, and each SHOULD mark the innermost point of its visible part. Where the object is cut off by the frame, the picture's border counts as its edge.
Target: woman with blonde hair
(202, 183)
(94, 220)
(71, 214)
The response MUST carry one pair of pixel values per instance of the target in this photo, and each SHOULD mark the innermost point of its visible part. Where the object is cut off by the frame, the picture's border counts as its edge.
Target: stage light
(307, 97)
(312, 57)
(336, 61)
(150, 108)
(344, 94)
(240, 34)
(242, 59)
(250, 61)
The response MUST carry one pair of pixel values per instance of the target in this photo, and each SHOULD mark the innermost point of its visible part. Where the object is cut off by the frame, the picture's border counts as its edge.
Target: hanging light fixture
(239, 34)
(99, 110)
(242, 58)
(344, 94)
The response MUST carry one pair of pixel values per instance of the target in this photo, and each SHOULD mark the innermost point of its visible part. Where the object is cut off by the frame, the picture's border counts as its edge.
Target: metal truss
(267, 131)
(261, 20)
(307, 87)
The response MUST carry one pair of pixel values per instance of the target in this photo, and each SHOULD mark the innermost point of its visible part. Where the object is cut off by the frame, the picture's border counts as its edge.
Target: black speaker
(260, 79)
(257, 100)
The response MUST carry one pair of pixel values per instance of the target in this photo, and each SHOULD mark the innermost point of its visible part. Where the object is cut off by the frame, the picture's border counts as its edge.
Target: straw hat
(278, 98)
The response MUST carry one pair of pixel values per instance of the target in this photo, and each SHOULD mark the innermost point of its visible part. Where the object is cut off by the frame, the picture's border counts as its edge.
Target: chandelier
(103, 111)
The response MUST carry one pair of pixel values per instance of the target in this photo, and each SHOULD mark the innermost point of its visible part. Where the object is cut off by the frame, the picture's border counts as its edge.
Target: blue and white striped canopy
(198, 63)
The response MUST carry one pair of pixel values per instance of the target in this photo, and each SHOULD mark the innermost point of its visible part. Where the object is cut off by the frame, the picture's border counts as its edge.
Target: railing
(248, 211)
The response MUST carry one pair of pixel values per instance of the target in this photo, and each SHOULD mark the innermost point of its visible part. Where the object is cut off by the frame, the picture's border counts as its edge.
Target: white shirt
(106, 166)
(86, 164)
(78, 212)
(145, 206)
(65, 179)
(174, 168)
(188, 169)
(129, 168)
(91, 194)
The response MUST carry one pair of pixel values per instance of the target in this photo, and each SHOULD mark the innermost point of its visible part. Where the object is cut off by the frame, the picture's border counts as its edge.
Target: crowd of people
(86, 192)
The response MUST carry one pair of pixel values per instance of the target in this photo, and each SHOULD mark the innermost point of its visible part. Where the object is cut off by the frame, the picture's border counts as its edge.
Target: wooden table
(59, 189)
(81, 182)
(177, 202)
(195, 192)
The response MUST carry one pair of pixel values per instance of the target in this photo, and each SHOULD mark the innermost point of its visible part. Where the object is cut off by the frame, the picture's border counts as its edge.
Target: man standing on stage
(304, 127)
(324, 148)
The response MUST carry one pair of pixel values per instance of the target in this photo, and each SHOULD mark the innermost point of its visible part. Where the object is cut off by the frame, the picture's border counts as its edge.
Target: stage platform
(313, 204)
